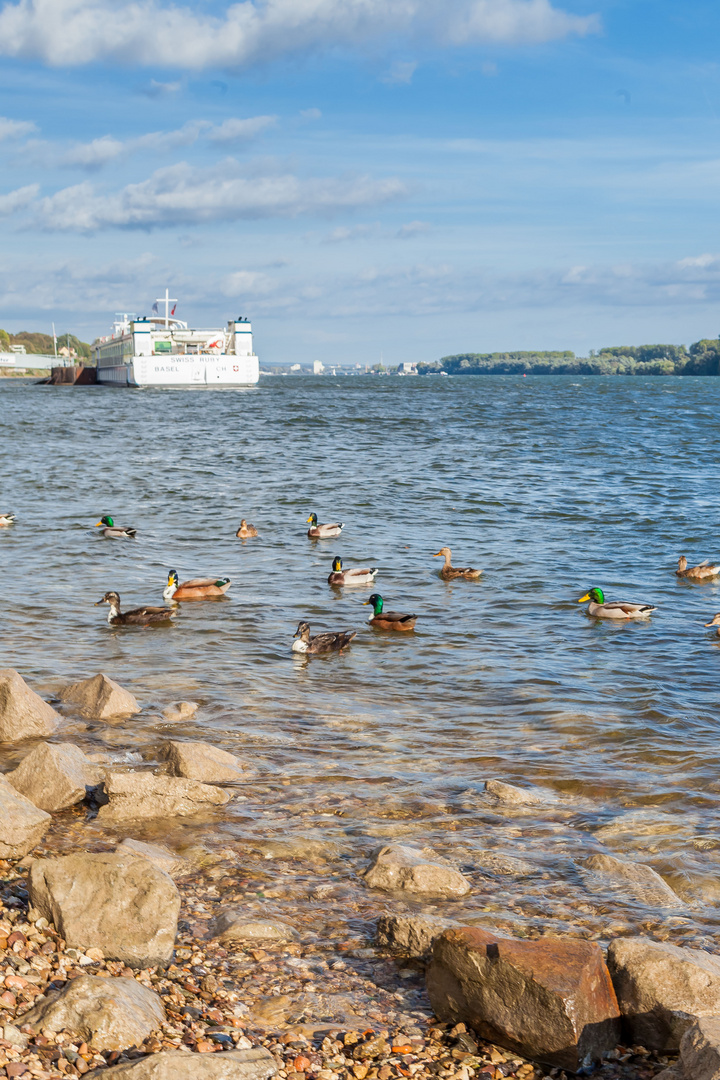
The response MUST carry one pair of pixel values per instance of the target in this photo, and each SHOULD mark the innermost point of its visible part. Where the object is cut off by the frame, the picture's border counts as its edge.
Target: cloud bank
(146, 32)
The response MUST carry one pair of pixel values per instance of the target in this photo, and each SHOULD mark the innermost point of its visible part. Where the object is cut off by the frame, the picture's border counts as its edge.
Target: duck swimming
(246, 530)
(321, 643)
(715, 622)
(350, 577)
(449, 571)
(115, 532)
(388, 620)
(614, 609)
(142, 616)
(196, 589)
(6, 519)
(322, 532)
(700, 572)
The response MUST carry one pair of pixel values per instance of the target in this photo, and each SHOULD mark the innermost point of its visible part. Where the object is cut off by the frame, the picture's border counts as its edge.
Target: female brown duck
(449, 571)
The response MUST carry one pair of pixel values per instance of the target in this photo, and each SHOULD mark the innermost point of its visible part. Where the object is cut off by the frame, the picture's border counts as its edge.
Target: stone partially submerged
(100, 697)
(55, 775)
(636, 879)
(23, 713)
(548, 1000)
(255, 1064)
(401, 868)
(202, 761)
(662, 989)
(414, 935)
(157, 854)
(136, 795)
(231, 925)
(118, 903)
(22, 824)
(111, 1014)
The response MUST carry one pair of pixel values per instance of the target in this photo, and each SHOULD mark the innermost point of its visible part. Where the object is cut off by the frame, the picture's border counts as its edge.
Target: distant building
(19, 349)
(294, 367)
(407, 368)
(318, 367)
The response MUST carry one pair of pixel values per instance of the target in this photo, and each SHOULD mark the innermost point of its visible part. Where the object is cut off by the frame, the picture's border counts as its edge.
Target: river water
(551, 484)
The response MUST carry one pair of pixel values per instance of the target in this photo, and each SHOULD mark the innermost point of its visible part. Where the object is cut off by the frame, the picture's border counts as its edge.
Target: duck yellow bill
(308, 520)
(436, 554)
(98, 523)
(584, 598)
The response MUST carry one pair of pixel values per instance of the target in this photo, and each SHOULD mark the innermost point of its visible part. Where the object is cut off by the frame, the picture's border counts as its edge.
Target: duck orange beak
(584, 598)
(436, 554)
(98, 523)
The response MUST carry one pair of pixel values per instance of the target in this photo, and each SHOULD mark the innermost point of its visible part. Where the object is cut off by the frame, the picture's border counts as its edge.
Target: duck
(365, 576)
(321, 643)
(715, 622)
(449, 571)
(246, 530)
(614, 609)
(700, 572)
(115, 532)
(142, 616)
(6, 519)
(196, 589)
(323, 532)
(388, 620)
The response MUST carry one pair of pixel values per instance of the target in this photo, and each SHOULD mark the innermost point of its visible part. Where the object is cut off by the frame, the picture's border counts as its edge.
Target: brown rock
(23, 713)
(202, 761)
(22, 824)
(180, 710)
(118, 903)
(159, 856)
(136, 795)
(511, 795)
(100, 698)
(399, 867)
(662, 989)
(55, 775)
(412, 934)
(255, 1064)
(700, 1050)
(231, 925)
(637, 879)
(548, 1000)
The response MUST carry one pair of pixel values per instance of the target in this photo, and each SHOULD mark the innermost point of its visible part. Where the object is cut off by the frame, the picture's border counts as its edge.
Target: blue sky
(406, 177)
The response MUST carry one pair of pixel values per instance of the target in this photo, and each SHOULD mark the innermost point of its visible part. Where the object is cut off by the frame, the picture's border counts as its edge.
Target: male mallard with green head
(614, 609)
(323, 532)
(364, 576)
(115, 532)
(195, 589)
(388, 620)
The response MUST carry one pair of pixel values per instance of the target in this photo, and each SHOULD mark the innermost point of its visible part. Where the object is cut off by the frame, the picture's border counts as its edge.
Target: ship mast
(167, 301)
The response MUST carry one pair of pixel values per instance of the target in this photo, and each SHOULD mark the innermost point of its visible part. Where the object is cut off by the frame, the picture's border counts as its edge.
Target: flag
(173, 310)
(155, 308)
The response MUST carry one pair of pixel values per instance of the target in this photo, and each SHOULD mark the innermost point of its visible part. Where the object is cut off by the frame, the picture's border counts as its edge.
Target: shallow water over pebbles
(553, 485)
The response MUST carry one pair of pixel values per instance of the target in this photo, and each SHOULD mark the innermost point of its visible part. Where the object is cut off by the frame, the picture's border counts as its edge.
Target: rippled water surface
(551, 484)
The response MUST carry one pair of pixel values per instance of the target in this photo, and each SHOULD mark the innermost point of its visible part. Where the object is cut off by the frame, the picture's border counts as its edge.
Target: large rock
(255, 1064)
(231, 925)
(112, 1014)
(23, 714)
(100, 698)
(549, 1000)
(411, 934)
(118, 903)
(700, 1050)
(136, 795)
(55, 775)
(158, 855)
(202, 761)
(401, 868)
(510, 795)
(639, 880)
(22, 825)
(662, 989)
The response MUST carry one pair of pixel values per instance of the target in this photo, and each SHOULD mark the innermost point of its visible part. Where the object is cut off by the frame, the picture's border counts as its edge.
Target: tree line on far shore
(42, 344)
(702, 358)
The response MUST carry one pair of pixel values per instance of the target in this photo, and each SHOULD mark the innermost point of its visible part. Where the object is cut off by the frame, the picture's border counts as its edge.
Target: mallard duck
(115, 532)
(614, 609)
(246, 530)
(715, 622)
(321, 642)
(6, 519)
(197, 589)
(323, 532)
(350, 577)
(141, 616)
(449, 571)
(700, 572)
(388, 620)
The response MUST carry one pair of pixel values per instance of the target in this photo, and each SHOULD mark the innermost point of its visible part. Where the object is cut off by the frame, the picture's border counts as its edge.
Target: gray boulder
(549, 1000)
(23, 713)
(401, 868)
(111, 1014)
(232, 925)
(700, 1050)
(411, 934)
(202, 761)
(136, 795)
(255, 1064)
(22, 824)
(157, 854)
(118, 903)
(637, 879)
(100, 697)
(662, 989)
(55, 775)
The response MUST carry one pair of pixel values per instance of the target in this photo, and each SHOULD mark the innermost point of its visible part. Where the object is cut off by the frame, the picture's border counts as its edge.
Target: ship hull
(223, 370)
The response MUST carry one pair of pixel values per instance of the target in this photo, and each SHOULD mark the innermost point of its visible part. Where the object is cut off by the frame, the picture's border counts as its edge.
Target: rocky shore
(129, 957)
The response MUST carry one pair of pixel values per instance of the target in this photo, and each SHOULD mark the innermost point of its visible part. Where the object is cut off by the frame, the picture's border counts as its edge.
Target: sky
(364, 179)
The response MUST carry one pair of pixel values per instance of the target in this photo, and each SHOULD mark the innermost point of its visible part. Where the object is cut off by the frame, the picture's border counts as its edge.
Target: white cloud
(413, 228)
(12, 129)
(146, 32)
(95, 154)
(401, 71)
(18, 199)
(235, 130)
(181, 194)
